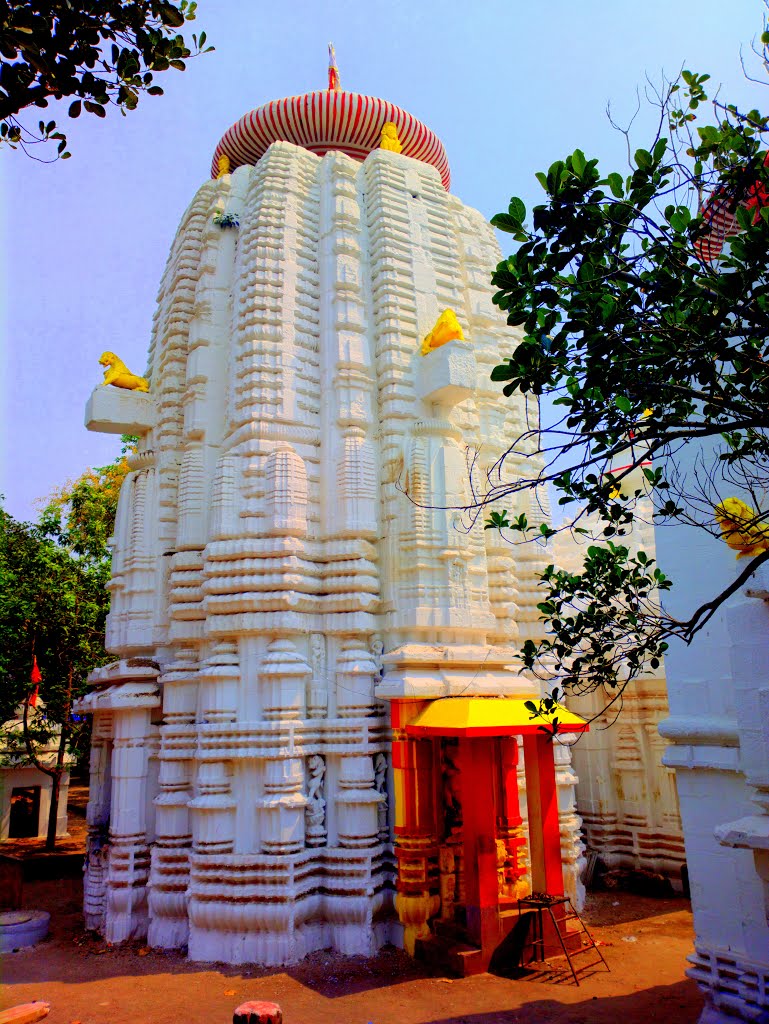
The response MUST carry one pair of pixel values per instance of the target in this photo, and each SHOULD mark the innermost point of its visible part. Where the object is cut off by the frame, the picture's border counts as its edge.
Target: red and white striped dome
(329, 119)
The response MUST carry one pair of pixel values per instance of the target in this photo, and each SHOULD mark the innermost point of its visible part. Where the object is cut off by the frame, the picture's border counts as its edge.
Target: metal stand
(540, 902)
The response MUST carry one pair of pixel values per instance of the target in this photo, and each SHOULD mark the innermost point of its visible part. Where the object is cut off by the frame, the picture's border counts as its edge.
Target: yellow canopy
(489, 716)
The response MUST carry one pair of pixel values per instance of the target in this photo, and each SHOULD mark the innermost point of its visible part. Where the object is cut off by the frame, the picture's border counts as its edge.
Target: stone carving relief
(315, 812)
(451, 779)
(317, 696)
(380, 784)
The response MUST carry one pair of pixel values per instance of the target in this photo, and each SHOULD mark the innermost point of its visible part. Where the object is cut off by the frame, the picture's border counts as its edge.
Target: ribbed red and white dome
(329, 120)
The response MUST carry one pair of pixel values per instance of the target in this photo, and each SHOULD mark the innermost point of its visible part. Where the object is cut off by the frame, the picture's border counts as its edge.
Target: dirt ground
(645, 942)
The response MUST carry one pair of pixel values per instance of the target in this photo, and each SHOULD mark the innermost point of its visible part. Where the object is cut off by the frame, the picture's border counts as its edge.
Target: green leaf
(503, 372)
(504, 222)
(170, 15)
(578, 162)
(517, 210)
(74, 109)
(643, 159)
(623, 403)
(679, 220)
(616, 183)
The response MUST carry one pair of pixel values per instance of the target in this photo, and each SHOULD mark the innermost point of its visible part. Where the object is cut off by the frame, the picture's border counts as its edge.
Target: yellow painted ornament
(223, 166)
(119, 376)
(389, 138)
(740, 529)
(446, 329)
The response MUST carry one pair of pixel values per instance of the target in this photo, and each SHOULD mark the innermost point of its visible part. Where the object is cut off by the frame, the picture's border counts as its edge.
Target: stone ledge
(119, 411)
(703, 757)
(700, 730)
(749, 833)
(120, 697)
(448, 374)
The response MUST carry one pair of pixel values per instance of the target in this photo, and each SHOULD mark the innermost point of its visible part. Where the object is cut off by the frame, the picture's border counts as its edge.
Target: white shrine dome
(329, 119)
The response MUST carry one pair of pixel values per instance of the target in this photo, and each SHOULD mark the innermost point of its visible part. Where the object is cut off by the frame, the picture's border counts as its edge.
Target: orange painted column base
(417, 896)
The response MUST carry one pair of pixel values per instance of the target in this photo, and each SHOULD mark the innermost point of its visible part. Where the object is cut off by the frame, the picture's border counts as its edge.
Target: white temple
(287, 558)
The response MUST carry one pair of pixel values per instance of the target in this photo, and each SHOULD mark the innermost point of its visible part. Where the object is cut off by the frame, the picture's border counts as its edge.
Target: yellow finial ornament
(740, 529)
(446, 329)
(389, 138)
(118, 374)
(333, 71)
(223, 166)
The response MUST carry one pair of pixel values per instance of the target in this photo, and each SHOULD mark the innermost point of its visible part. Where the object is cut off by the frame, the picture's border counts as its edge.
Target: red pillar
(479, 841)
(509, 820)
(544, 828)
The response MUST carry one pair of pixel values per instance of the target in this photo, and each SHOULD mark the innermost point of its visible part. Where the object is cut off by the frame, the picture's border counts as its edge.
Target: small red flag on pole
(35, 678)
(333, 71)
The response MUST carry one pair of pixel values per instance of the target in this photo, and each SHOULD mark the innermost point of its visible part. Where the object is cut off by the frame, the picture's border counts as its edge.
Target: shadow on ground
(671, 1004)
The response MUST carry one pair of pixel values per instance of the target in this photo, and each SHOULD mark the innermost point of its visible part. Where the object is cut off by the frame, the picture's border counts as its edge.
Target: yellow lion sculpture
(389, 138)
(223, 166)
(740, 529)
(446, 329)
(119, 376)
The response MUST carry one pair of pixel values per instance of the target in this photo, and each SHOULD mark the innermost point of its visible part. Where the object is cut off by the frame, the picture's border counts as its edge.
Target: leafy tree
(53, 606)
(98, 52)
(643, 299)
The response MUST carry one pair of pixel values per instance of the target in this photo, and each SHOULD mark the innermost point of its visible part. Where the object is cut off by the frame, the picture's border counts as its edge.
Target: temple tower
(288, 554)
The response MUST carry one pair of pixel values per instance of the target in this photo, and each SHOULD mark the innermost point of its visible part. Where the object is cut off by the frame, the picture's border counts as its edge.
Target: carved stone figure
(317, 695)
(452, 789)
(389, 138)
(446, 329)
(380, 785)
(377, 650)
(315, 813)
(118, 374)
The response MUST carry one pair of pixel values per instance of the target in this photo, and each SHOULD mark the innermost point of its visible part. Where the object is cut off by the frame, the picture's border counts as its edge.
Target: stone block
(447, 375)
(118, 411)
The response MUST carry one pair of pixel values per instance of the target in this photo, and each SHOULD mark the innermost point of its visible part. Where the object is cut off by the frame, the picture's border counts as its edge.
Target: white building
(269, 565)
(25, 791)
(718, 690)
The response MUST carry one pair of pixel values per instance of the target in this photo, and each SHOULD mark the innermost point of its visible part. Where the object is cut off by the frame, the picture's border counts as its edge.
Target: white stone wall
(718, 689)
(288, 518)
(626, 795)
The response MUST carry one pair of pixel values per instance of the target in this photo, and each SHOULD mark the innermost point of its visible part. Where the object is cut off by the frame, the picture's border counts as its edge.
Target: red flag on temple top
(35, 678)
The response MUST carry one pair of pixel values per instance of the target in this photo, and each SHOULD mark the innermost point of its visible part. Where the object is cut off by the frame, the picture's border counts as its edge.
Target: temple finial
(333, 70)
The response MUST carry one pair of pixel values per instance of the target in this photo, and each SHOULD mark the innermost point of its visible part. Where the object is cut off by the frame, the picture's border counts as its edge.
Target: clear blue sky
(509, 87)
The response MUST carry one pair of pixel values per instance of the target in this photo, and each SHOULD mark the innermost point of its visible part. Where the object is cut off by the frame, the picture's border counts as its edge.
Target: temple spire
(333, 70)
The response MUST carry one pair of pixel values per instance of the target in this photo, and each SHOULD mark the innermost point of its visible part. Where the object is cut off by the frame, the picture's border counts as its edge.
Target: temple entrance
(464, 856)
(509, 836)
(25, 812)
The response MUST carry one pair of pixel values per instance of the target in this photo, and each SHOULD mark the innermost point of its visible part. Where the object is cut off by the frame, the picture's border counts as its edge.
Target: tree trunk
(56, 774)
